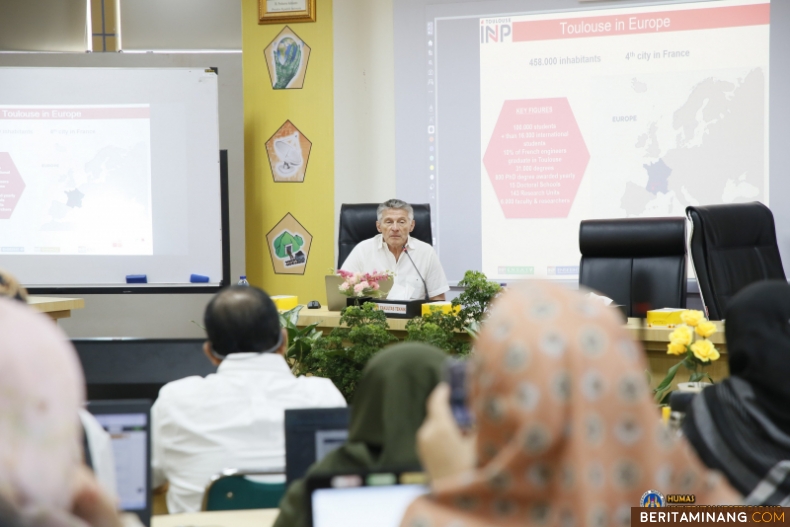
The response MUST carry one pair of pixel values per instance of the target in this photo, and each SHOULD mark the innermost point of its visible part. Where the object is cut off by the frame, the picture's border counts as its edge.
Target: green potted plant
(341, 355)
(300, 341)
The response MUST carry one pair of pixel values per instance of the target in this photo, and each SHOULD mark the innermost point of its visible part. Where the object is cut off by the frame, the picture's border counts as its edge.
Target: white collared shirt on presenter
(374, 255)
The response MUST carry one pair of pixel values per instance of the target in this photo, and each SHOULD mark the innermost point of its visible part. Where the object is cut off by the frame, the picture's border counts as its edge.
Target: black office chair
(358, 223)
(731, 247)
(638, 263)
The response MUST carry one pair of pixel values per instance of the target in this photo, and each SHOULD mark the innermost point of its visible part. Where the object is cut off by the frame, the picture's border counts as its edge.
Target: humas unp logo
(652, 498)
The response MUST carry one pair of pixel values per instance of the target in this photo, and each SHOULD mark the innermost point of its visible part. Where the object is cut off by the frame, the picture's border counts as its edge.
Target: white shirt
(374, 255)
(231, 419)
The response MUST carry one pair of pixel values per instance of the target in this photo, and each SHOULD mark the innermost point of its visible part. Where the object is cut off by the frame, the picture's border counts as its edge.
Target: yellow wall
(310, 109)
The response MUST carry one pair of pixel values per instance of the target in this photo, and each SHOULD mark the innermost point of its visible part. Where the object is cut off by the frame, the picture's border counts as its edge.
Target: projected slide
(616, 113)
(75, 180)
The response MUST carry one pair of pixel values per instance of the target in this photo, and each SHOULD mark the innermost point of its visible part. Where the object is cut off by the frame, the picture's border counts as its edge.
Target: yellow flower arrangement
(690, 341)
(692, 317)
(682, 335)
(704, 350)
(676, 348)
(705, 329)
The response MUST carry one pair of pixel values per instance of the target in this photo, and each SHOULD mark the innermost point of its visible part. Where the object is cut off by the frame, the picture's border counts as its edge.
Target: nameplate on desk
(399, 308)
(395, 309)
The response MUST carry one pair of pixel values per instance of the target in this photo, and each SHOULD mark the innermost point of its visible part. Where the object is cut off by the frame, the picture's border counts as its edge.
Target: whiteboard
(110, 172)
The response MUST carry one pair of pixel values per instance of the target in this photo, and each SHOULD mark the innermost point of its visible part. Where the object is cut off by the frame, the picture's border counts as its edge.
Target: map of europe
(718, 154)
(114, 179)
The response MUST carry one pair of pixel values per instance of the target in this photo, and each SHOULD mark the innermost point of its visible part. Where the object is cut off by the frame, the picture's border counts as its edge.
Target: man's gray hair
(394, 204)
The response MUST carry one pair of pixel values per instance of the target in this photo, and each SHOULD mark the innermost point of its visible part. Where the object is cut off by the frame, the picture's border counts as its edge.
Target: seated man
(418, 272)
(234, 418)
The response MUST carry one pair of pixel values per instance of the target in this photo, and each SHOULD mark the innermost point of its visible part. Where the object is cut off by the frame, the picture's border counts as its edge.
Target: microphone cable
(406, 252)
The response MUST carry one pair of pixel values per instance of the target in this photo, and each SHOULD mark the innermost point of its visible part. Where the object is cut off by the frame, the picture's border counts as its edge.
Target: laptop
(363, 500)
(336, 301)
(129, 424)
(310, 434)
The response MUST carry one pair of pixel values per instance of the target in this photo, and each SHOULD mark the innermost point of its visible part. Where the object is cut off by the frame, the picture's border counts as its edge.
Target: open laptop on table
(129, 424)
(310, 434)
(374, 499)
(336, 301)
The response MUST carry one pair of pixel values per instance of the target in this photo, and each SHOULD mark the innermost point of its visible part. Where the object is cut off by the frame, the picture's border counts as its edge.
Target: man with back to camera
(394, 250)
(234, 418)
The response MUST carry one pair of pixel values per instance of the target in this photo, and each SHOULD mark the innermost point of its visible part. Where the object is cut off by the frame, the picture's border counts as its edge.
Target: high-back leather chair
(638, 263)
(358, 223)
(731, 247)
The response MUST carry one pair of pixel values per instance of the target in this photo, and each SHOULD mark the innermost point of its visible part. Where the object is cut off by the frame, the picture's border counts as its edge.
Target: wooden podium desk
(56, 308)
(654, 340)
(329, 320)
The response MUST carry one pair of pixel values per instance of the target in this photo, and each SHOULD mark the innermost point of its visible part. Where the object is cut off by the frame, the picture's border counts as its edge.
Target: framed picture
(286, 59)
(289, 246)
(288, 151)
(285, 11)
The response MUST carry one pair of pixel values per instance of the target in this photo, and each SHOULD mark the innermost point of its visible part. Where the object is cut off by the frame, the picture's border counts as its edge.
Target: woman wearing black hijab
(387, 410)
(741, 426)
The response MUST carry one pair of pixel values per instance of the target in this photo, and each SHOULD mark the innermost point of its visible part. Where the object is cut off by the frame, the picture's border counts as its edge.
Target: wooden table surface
(244, 518)
(654, 340)
(55, 307)
(331, 319)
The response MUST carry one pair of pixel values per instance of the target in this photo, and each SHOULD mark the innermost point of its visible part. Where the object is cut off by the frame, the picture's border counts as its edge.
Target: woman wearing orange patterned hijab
(43, 481)
(567, 432)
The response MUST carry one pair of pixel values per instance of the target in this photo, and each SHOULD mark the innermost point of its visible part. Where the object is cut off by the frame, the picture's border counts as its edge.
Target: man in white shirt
(234, 418)
(418, 272)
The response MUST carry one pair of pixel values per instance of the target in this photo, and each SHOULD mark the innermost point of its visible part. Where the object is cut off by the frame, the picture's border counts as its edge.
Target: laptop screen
(128, 423)
(363, 500)
(363, 506)
(129, 434)
(310, 434)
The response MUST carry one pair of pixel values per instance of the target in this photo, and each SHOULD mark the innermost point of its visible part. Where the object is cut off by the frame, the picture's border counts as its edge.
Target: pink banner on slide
(67, 113)
(11, 186)
(536, 158)
(630, 24)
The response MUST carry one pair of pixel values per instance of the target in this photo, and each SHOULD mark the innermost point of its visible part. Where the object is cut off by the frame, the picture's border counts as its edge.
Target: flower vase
(357, 300)
(692, 387)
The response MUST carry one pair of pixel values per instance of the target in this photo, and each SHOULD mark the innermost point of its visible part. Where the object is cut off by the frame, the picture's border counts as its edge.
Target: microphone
(406, 252)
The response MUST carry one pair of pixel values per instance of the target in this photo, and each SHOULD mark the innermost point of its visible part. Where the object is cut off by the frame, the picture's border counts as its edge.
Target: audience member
(417, 275)
(9, 287)
(42, 479)
(567, 432)
(388, 408)
(234, 418)
(741, 425)
(97, 441)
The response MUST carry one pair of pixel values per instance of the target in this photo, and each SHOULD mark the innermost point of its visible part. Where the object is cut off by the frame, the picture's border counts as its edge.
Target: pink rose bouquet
(359, 285)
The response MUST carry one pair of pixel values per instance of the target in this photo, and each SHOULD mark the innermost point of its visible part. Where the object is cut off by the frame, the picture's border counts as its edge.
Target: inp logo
(652, 498)
(495, 30)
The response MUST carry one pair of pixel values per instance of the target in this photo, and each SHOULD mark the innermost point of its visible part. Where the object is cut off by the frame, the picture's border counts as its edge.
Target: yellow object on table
(444, 307)
(666, 318)
(285, 302)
